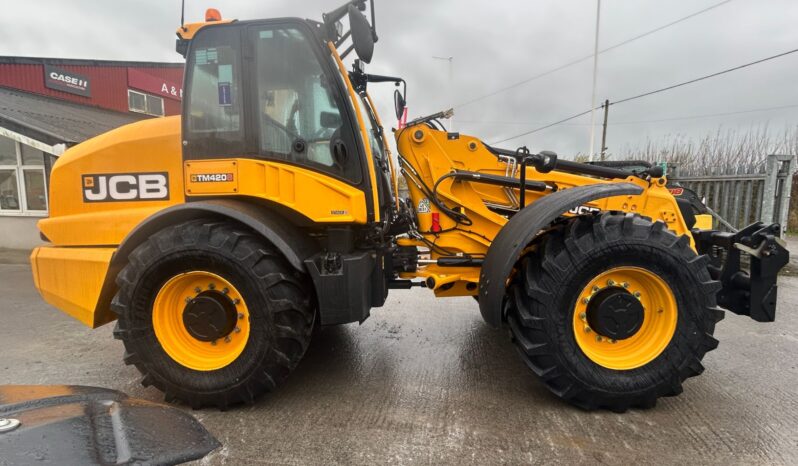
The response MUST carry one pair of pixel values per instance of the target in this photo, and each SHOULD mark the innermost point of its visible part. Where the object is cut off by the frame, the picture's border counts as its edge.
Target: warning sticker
(423, 206)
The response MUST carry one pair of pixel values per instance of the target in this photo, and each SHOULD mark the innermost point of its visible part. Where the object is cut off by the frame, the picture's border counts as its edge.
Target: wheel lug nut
(225, 290)
(595, 288)
(637, 294)
(236, 301)
(188, 299)
(585, 300)
(198, 290)
(598, 338)
(240, 315)
(611, 282)
(227, 339)
(625, 285)
(613, 341)
(213, 342)
(211, 286)
(237, 330)
(587, 329)
(582, 315)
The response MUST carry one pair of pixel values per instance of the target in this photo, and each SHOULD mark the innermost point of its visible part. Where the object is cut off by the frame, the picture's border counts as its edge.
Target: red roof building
(48, 104)
(112, 85)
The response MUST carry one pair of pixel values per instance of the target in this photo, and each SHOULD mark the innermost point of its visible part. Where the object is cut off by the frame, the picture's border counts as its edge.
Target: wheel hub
(615, 313)
(210, 316)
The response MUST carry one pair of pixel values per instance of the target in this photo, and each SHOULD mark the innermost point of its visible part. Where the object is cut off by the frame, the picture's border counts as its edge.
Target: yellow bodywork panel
(315, 195)
(145, 150)
(431, 154)
(188, 30)
(71, 280)
(703, 222)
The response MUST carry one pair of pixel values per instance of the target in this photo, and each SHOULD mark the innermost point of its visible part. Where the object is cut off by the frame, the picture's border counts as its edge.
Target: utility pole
(604, 129)
(595, 72)
(451, 86)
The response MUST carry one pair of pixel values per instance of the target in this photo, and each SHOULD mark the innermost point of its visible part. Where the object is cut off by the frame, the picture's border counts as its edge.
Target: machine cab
(275, 91)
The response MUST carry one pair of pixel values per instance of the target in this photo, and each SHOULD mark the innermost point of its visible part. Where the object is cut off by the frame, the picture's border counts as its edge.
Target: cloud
(495, 44)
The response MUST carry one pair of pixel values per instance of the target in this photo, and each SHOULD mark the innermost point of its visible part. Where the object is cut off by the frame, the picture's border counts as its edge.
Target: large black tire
(542, 300)
(280, 303)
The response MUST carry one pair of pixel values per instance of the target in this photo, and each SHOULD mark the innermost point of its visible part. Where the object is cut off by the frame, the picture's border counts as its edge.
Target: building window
(9, 194)
(22, 185)
(144, 103)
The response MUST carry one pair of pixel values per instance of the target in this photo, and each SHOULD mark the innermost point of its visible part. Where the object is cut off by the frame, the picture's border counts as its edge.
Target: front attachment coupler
(751, 293)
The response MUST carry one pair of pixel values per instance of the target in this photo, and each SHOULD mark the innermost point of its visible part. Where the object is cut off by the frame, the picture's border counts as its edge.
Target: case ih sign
(153, 84)
(66, 81)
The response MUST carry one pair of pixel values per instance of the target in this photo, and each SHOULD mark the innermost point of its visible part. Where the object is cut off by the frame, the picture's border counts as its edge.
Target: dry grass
(723, 151)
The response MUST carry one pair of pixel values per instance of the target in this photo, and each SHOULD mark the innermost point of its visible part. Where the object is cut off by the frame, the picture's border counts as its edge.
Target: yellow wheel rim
(177, 340)
(660, 314)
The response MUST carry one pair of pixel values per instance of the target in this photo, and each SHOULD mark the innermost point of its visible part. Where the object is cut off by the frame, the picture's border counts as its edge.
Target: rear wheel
(211, 314)
(613, 311)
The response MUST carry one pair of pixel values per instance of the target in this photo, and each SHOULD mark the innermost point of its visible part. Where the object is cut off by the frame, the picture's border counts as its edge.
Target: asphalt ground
(426, 381)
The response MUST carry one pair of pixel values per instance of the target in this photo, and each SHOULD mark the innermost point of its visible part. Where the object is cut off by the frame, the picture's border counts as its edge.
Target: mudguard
(295, 246)
(507, 246)
(62, 424)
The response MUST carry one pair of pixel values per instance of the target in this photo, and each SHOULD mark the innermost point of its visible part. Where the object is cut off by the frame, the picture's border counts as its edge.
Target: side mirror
(330, 120)
(362, 36)
(399, 104)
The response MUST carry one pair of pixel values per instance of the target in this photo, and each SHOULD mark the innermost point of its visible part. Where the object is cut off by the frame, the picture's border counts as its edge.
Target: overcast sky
(496, 44)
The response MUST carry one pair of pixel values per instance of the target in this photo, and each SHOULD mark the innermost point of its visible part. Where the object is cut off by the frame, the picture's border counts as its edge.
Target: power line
(508, 122)
(656, 91)
(706, 115)
(543, 127)
(645, 94)
(636, 122)
(588, 57)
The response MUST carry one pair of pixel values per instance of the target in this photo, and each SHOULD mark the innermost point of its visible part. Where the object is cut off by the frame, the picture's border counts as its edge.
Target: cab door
(300, 116)
(267, 91)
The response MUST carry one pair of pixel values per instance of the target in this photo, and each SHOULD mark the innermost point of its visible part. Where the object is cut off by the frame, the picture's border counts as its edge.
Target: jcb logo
(584, 209)
(126, 187)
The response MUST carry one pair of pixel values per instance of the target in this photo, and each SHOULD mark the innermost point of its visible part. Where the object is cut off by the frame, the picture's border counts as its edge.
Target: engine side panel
(101, 189)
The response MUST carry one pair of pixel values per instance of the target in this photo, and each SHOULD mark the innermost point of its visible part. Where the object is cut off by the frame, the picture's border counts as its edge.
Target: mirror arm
(360, 79)
(342, 38)
(347, 51)
(373, 22)
(378, 78)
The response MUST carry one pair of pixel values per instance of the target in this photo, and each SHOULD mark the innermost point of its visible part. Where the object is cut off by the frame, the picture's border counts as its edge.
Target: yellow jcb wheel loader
(217, 240)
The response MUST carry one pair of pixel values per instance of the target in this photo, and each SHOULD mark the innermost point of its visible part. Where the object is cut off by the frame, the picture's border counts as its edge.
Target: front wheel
(613, 311)
(211, 314)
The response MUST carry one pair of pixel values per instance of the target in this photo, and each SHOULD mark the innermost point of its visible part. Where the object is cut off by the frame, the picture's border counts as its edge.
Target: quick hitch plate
(750, 293)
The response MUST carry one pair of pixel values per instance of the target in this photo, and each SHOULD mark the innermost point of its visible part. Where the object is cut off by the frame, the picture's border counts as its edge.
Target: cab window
(299, 116)
(214, 117)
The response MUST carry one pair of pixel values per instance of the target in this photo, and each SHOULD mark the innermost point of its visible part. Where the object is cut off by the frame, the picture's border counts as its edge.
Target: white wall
(19, 232)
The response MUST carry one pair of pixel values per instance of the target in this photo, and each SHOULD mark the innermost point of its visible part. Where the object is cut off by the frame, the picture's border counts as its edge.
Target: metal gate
(739, 196)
